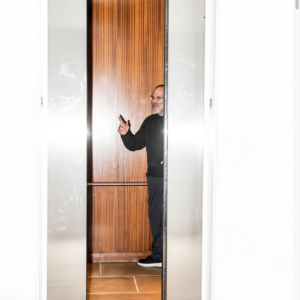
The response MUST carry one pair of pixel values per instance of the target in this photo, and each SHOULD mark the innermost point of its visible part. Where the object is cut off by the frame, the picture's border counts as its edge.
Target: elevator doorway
(115, 177)
(125, 64)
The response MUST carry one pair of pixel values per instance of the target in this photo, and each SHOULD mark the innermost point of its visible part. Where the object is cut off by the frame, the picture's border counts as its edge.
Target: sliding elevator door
(184, 148)
(66, 135)
(126, 63)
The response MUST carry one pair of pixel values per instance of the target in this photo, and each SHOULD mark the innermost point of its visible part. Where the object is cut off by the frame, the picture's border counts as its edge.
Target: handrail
(117, 184)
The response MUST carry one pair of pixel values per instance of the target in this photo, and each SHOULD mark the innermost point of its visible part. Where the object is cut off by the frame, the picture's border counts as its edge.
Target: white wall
(253, 192)
(19, 109)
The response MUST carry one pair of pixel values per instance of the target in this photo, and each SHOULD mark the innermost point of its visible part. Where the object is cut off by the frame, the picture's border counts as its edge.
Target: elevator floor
(123, 281)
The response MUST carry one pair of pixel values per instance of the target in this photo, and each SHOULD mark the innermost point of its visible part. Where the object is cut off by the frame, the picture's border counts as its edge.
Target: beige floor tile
(110, 285)
(127, 269)
(148, 283)
(93, 270)
(134, 296)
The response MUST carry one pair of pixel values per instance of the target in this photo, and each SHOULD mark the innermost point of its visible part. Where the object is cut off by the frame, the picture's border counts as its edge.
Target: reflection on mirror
(125, 114)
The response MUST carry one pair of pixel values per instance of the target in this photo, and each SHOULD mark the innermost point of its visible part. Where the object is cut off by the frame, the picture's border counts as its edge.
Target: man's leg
(155, 192)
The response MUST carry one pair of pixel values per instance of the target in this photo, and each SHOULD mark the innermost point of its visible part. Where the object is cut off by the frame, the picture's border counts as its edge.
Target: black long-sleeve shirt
(151, 136)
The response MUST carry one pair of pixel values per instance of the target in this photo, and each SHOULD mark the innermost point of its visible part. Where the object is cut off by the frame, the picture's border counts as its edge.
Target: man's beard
(156, 110)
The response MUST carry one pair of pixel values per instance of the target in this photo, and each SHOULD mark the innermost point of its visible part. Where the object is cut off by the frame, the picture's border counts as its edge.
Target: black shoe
(149, 262)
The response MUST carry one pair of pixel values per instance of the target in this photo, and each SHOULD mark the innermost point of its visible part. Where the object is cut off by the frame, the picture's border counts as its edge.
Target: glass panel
(67, 151)
(185, 143)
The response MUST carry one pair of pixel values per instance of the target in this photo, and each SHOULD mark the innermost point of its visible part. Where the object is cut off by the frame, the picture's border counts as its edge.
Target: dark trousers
(155, 192)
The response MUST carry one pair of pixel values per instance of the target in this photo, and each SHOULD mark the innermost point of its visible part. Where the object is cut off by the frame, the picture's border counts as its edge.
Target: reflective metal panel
(67, 150)
(185, 81)
(297, 153)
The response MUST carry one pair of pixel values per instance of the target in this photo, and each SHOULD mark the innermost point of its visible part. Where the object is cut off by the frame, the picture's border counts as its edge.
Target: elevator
(127, 62)
(105, 58)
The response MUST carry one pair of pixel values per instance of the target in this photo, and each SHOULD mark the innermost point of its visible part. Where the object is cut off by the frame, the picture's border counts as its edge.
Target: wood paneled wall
(120, 219)
(127, 63)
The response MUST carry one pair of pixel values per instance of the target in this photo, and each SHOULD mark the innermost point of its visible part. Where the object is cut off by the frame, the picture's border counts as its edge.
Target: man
(151, 136)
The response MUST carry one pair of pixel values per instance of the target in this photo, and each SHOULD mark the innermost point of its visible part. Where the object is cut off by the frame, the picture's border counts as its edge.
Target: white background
(253, 239)
(253, 203)
(19, 132)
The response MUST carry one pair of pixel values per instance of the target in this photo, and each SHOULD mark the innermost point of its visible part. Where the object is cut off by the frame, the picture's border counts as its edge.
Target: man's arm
(130, 141)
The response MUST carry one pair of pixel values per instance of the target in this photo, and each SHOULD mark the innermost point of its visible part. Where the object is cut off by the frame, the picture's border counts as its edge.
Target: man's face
(157, 104)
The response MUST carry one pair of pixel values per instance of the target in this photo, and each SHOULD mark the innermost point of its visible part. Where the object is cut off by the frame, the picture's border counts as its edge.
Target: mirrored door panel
(66, 251)
(185, 82)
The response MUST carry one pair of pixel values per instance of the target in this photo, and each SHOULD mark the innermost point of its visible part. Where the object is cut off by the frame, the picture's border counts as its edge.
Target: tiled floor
(123, 281)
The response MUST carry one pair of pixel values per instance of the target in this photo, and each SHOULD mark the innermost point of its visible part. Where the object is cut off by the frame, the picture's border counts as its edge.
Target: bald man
(151, 136)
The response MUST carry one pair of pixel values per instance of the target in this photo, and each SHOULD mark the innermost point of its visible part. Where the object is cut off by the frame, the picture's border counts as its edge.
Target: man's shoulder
(152, 118)
(152, 122)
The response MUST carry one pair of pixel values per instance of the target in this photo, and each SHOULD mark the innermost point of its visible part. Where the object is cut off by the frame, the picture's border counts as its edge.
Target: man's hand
(123, 127)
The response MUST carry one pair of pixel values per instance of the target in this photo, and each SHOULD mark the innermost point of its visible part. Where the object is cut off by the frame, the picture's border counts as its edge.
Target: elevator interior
(126, 62)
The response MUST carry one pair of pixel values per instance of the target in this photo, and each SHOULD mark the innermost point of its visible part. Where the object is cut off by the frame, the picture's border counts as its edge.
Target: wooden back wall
(127, 47)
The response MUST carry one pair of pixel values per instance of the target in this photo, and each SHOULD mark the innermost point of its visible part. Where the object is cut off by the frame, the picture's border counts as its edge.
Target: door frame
(208, 158)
